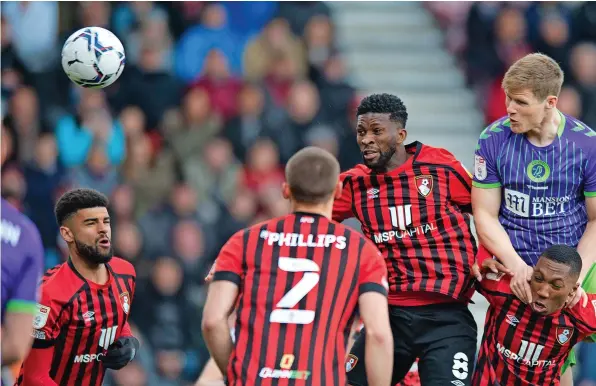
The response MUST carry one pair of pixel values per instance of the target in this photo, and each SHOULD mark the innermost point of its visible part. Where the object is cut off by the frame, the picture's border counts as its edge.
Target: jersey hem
(23, 306)
(481, 185)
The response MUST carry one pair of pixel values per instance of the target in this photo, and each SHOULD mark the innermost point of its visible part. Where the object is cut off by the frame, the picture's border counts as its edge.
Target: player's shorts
(442, 336)
(589, 285)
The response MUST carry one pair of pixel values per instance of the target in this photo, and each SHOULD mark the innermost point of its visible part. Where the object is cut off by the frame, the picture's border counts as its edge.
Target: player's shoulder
(435, 155)
(59, 284)
(579, 132)
(122, 267)
(356, 171)
(497, 131)
(16, 225)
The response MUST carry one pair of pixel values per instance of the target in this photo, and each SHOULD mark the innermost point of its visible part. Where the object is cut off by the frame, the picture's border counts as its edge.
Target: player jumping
(296, 281)
(527, 344)
(535, 177)
(413, 201)
(81, 326)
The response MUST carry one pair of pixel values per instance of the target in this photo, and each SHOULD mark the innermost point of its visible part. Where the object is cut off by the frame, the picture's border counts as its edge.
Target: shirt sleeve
(342, 207)
(46, 323)
(373, 271)
(586, 316)
(486, 173)
(228, 265)
(460, 186)
(25, 292)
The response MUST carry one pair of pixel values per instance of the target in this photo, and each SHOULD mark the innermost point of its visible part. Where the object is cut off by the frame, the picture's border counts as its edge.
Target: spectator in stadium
(583, 71)
(260, 52)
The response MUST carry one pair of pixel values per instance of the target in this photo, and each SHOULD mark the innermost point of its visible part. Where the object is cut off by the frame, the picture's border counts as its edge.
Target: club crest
(125, 302)
(351, 361)
(564, 334)
(424, 184)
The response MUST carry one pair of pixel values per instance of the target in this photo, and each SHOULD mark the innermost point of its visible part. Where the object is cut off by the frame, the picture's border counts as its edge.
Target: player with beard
(413, 202)
(81, 326)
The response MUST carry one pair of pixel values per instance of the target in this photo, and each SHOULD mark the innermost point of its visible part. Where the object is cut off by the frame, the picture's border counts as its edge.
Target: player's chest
(535, 342)
(401, 202)
(543, 183)
(98, 316)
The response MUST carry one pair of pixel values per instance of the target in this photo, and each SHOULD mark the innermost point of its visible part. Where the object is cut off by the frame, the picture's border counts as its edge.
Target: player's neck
(325, 209)
(96, 273)
(545, 134)
(399, 158)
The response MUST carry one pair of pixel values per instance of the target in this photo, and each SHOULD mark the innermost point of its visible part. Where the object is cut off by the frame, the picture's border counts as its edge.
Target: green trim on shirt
(486, 186)
(23, 306)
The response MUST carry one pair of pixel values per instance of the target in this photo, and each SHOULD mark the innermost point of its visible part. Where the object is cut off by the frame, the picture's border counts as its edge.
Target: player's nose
(543, 292)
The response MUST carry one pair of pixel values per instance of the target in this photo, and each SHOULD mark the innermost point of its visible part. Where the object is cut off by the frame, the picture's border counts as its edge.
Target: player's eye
(378, 131)
(538, 279)
(556, 286)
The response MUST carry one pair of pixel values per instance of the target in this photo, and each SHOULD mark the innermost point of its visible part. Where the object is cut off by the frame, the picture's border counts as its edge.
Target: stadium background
(190, 143)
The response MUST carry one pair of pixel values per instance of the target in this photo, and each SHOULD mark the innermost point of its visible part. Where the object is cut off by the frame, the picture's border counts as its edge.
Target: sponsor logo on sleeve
(351, 361)
(480, 168)
(41, 317)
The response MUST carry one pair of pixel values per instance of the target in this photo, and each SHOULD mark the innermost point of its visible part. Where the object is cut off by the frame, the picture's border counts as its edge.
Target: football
(93, 57)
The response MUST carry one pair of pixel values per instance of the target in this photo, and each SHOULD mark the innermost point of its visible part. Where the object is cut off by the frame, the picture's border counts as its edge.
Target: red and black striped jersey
(521, 347)
(300, 277)
(80, 320)
(418, 216)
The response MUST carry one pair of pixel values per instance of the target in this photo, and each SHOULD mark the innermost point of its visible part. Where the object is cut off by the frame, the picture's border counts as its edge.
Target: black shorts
(442, 336)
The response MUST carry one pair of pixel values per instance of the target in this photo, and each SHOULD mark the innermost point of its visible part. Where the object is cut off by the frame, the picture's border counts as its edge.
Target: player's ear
(551, 101)
(339, 187)
(285, 190)
(66, 234)
(402, 133)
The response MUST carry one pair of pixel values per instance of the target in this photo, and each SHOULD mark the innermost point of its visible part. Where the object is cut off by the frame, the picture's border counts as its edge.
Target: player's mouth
(539, 307)
(104, 242)
(369, 154)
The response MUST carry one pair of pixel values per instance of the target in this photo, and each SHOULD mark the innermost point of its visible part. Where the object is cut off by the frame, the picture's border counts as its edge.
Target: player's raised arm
(374, 312)
(221, 298)
(342, 207)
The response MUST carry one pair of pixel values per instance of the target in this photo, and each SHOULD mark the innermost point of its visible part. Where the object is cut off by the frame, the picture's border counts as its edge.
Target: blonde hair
(535, 72)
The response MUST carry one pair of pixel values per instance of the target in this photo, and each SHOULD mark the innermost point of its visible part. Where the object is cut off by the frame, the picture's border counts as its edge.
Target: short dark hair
(312, 174)
(74, 200)
(565, 255)
(384, 104)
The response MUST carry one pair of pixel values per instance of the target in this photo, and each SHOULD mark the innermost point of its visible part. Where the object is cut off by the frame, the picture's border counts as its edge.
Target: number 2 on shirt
(283, 312)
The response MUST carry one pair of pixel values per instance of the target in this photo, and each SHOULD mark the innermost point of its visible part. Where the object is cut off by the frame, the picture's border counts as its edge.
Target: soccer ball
(93, 57)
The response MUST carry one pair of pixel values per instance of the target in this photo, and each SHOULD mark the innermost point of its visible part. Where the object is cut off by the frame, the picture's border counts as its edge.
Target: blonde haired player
(535, 178)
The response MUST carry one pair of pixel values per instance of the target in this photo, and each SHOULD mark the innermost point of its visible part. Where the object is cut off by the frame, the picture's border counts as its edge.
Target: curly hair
(74, 200)
(384, 104)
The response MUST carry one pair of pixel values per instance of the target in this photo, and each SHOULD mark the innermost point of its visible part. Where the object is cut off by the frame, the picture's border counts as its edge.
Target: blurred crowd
(190, 143)
(487, 37)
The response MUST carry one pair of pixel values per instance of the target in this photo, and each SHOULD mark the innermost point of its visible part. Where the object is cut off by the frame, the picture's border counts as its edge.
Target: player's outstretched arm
(16, 336)
(218, 307)
(485, 207)
(379, 339)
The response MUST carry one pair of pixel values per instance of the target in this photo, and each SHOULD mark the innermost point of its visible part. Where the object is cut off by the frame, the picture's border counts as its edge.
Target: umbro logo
(512, 320)
(88, 316)
(373, 193)
(458, 383)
